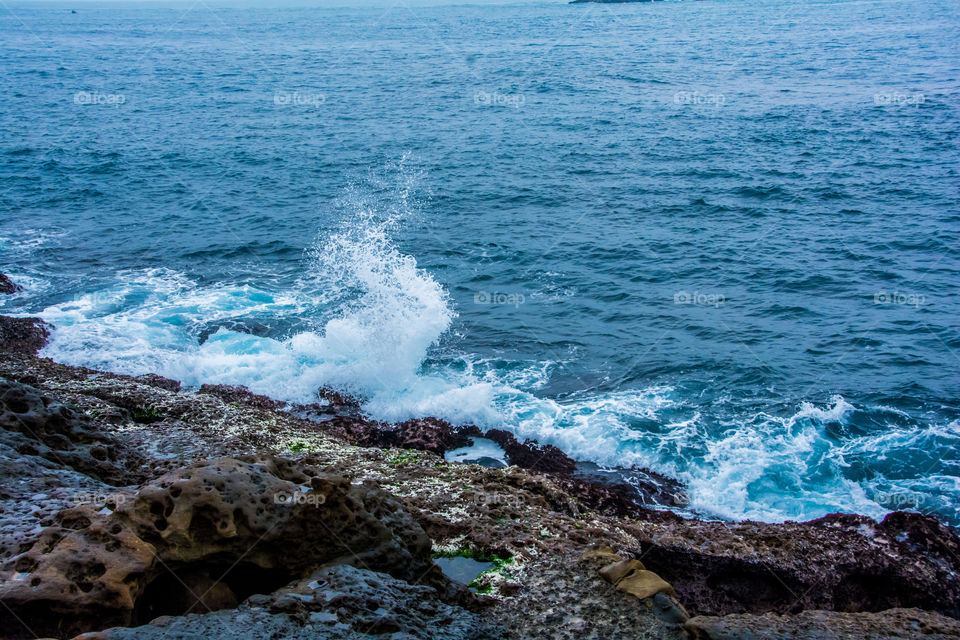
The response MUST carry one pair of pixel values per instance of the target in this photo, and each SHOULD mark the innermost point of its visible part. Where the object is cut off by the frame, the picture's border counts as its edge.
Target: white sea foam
(378, 314)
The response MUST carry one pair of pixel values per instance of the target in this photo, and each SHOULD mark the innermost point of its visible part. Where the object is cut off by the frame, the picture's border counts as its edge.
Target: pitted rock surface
(37, 424)
(336, 603)
(257, 522)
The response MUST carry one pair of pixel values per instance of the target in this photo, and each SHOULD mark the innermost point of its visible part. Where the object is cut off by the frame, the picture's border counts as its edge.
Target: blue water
(717, 239)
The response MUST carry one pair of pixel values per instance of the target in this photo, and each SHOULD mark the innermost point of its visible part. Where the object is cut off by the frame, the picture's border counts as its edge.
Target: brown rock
(615, 572)
(839, 562)
(25, 336)
(251, 525)
(826, 625)
(644, 584)
(601, 554)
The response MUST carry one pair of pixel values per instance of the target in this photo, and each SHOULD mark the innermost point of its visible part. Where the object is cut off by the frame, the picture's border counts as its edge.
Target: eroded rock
(251, 525)
(37, 424)
(839, 562)
(827, 625)
(339, 602)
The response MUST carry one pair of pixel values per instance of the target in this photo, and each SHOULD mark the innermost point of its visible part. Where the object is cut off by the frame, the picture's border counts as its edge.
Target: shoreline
(123, 444)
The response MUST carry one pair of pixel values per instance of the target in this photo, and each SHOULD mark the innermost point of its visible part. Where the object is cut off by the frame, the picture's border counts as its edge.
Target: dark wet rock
(7, 286)
(338, 400)
(611, 495)
(240, 394)
(251, 525)
(338, 602)
(25, 336)
(159, 382)
(827, 625)
(248, 326)
(652, 488)
(532, 456)
(839, 562)
(424, 434)
(624, 500)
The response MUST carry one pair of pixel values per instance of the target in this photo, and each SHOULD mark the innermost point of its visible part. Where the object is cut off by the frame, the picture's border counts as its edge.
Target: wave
(363, 317)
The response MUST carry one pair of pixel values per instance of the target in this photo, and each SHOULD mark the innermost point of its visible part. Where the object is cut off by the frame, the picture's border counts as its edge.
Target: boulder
(7, 286)
(644, 584)
(616, 571)
(251, 525)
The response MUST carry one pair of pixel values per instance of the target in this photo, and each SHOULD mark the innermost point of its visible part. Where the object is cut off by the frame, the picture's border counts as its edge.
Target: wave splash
(377, 314)
(364, 316)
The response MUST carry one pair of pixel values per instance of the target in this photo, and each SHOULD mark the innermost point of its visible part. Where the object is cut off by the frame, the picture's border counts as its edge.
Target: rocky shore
(132, 508)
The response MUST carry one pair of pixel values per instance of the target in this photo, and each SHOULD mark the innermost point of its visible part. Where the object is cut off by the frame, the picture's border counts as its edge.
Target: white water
(378, 315)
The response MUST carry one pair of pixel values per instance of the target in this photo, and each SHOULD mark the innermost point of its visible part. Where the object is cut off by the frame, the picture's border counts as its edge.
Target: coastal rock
(438, 437)
(532, 456)
(240, 394)
(159, 382)
(25, 336)
(7, 286)
(840, 562)
(630, 576)
(338, 401)
(424, 434)
(616, 571)
(827, 625)
(251, 525)
(37, 424)
(338, 602)
(565, 598)
(537, 524)
(644, 584)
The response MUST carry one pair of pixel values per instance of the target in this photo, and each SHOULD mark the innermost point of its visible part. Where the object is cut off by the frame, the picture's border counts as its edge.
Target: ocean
(715, 239)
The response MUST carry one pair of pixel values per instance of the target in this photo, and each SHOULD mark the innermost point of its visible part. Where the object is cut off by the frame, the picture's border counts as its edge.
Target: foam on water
(763, 467)
(377, 315)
